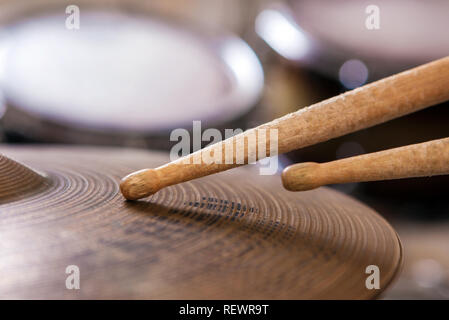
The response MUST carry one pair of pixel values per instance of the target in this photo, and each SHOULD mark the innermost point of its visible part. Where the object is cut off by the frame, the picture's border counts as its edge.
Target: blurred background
(135, 70)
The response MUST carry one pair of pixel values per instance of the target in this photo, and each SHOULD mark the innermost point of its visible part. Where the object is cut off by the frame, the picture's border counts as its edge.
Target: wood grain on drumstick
(369, 105)
(418, 160)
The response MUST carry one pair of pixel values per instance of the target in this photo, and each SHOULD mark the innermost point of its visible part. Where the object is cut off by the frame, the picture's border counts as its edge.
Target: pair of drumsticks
(364, 107)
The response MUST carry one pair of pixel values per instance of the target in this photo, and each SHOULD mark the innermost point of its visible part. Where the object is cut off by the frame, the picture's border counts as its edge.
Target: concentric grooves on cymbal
(17, 180)
(232, 235)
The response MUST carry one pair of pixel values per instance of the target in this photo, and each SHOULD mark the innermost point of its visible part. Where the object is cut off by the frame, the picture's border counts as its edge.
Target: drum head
(123, 72)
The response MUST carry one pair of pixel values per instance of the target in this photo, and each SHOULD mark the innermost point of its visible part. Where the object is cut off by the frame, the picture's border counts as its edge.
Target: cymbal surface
(234, 235)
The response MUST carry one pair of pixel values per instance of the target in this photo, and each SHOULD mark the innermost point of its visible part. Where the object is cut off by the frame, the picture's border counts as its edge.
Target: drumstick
(363, 107)
(418, 160)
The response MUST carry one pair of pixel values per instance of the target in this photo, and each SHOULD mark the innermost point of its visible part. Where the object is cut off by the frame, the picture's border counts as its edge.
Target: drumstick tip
(301, 177)
(140, 184)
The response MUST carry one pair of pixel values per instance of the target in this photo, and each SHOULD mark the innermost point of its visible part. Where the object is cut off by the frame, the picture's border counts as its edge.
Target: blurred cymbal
(234, 235)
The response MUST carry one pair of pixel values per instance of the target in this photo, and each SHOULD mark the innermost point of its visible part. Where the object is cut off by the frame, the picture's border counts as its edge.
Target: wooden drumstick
(369, 105)
(417, 160)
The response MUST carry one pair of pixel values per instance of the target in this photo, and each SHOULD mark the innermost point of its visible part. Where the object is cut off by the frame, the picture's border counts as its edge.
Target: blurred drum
(385, 36)
(126, 76)
(324, 48)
